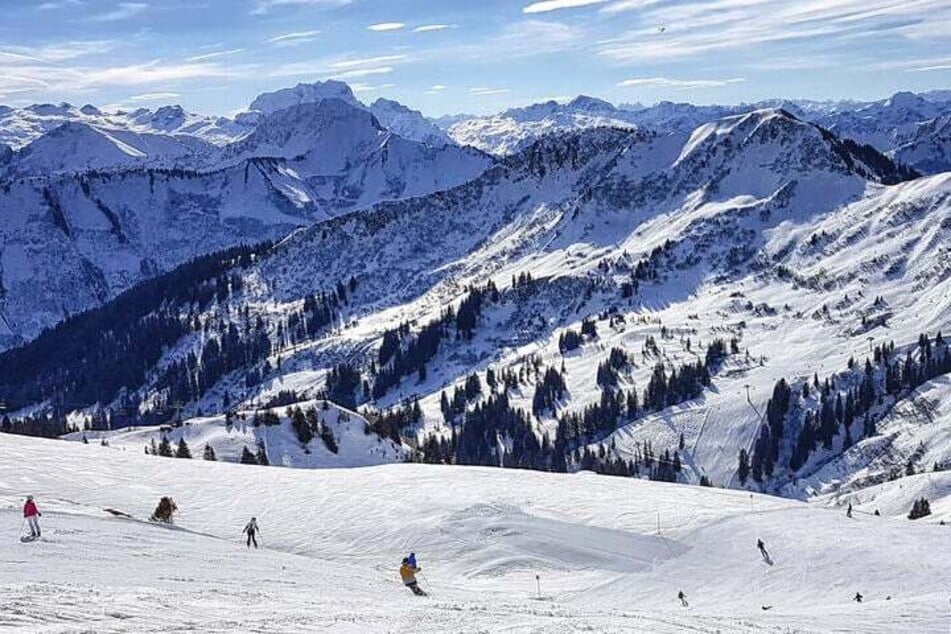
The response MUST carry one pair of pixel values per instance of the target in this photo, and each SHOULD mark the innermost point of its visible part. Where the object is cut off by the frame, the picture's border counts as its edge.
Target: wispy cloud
(386, 26)
(362, 72)
(554, 5)
(428, 28)
(297, 37)
(665, 82)
(699, 27)
(265, 6)
(215, 55)
(358, 87)
(922, 69)
(368, 61)
(122, 11)
(155, 96)
(482, 91)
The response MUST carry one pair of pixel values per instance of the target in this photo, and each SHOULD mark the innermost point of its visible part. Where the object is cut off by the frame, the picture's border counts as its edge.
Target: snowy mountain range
(888, 125)
(681, 293)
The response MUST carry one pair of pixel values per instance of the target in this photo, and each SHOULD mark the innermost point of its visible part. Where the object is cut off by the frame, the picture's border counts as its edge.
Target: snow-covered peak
(408, 123)
(271, 102)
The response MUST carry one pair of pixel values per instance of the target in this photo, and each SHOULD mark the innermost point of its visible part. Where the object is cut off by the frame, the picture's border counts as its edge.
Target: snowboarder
(252, 529)
(683, 599)
(858, 597)
(848, 513)
(31, 513)
(408, 575)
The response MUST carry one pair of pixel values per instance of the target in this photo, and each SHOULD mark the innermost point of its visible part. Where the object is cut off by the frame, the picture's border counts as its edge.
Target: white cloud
(694, 28)
(264, 6)
(368, 61)
(363, 72)
(155, 96)
(437, 87)
(428, 28)
(665, 82)
(298, 37)
(482, 91)
(216, 54)
(122, 11)
(358, 87)
(922, 69)
(553, 5)
(386, 26)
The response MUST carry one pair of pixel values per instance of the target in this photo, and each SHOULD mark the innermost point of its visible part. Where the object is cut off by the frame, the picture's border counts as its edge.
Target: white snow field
(333, 538)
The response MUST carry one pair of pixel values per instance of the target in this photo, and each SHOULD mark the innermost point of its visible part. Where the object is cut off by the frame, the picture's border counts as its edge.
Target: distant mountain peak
(303, 93)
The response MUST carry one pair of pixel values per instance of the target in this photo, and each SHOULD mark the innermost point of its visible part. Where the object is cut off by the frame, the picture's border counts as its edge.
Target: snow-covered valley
(740, 313)
(611, 554)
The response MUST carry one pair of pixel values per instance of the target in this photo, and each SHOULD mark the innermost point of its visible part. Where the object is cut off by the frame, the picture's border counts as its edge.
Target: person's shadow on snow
(767, 558)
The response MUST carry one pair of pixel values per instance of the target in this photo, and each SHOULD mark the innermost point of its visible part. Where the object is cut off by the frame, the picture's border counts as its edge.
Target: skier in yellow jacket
(408, 574)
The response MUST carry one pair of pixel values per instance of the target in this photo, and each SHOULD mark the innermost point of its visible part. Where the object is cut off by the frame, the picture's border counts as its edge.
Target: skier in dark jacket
(683, 599)
(858, 597)
(252, 529)
(848, 513)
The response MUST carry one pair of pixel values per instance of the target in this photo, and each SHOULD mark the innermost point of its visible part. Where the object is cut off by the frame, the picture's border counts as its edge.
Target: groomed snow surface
(333, 540)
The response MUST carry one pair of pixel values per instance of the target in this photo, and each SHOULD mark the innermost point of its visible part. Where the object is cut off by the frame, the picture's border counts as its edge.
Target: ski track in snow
(332, 540)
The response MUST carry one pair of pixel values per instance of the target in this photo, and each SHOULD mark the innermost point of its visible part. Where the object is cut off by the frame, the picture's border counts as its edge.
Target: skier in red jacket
(31, 513)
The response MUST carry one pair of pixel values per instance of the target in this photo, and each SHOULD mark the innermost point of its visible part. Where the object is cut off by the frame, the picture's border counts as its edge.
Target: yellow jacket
(408, 574)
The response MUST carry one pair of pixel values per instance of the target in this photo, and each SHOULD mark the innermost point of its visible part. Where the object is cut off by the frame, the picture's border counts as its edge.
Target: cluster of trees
(840, 402)
(307, 426)
(461, 396)
(608, 370)
(164, 448)
(572, 339)
(390, 424)
(921, 508)
(343, 381)
(402, 354)
(549, 392)
(91, 356)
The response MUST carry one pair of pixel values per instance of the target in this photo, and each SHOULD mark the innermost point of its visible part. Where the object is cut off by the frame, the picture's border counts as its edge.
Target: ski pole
(22, 524)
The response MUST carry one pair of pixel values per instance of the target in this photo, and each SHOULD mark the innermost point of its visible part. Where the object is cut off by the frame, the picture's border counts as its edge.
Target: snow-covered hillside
(337, 437)
(73, 242)
(499, 549)
(609, 299)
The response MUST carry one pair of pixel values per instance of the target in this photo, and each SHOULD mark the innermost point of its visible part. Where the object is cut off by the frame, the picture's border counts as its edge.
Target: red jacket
(29, 509)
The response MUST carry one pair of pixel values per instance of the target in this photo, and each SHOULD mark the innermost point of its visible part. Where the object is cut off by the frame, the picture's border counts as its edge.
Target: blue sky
(479, 56)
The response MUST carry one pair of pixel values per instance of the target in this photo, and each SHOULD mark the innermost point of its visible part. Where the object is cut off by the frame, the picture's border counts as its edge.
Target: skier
(164, 511)
(762, 548)
(858, 597)
(848, 513)
(251, 529)
(408, 575)
(683, 599)
(31, 513)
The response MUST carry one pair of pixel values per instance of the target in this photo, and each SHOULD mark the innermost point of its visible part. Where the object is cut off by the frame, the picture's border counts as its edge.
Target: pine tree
(247, 457)
(165, 448)
(262, 454)
(182, 451)
(209, 453)
(744, 467)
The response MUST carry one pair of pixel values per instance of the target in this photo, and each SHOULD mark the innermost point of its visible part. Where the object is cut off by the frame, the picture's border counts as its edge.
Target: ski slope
(611, 553)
